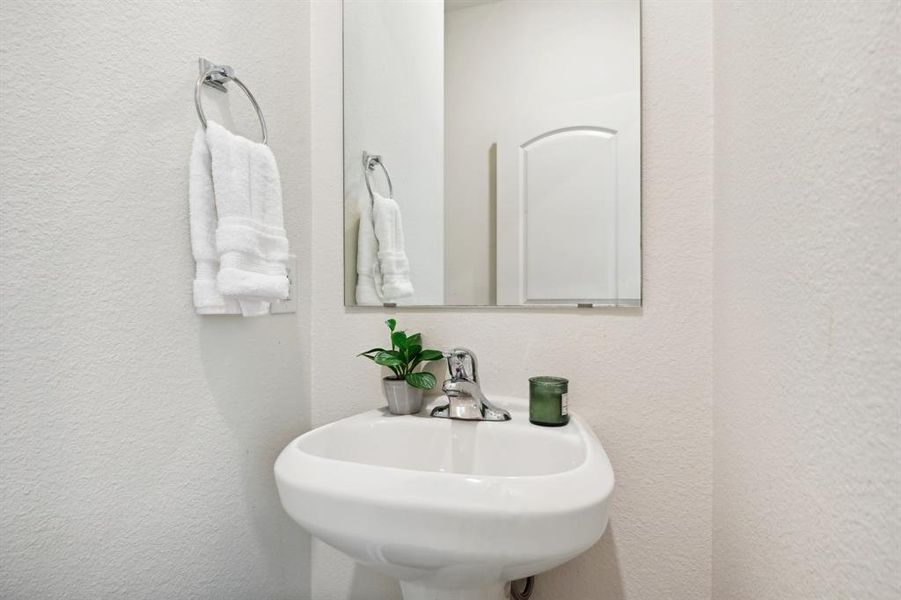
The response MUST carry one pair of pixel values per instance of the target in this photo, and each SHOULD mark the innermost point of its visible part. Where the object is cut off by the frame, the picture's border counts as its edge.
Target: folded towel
(369, 280)
(201, 202)
(251, 241)
(392, 258)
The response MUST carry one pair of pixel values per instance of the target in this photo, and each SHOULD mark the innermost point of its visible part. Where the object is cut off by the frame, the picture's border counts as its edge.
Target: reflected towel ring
(369, 163)
(220, 75)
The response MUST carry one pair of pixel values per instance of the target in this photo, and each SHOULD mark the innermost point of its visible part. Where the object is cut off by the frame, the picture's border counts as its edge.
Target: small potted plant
(404, 389)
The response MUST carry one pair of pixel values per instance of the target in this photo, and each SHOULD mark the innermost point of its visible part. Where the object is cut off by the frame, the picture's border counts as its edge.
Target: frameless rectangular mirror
(492, 152)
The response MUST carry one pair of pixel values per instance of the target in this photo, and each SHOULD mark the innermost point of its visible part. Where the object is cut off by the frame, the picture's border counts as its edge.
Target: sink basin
(453, 509)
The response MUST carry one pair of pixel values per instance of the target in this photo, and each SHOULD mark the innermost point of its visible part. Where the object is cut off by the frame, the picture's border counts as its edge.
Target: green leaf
(391, 323)
(388, 359)
(399, 339)
(368, 352)
(423, 381)
(410, 355)
(415, 340)
(429, 355)
(415, 357)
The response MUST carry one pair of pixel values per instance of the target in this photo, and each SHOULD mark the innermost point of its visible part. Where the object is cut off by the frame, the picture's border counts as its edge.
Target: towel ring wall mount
(370, 161)
(216, 76)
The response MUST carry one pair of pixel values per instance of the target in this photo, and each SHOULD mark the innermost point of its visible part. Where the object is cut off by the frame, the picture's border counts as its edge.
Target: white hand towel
(369, 280)
(250, 237)
(392, 257)
(202, 205)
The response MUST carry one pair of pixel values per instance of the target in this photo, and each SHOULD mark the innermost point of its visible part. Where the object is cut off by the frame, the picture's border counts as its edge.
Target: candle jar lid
(550, 383)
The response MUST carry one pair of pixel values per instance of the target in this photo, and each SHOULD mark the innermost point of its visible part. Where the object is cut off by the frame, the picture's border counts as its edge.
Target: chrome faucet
(465, 398)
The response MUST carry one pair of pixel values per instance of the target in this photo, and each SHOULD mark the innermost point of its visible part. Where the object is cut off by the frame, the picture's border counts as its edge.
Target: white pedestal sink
(453, 509)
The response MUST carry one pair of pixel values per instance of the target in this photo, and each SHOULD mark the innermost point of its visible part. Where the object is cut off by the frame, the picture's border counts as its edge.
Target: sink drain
(526, 592)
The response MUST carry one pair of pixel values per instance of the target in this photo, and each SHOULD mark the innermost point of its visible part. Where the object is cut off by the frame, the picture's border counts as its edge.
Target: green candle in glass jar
(548, 402)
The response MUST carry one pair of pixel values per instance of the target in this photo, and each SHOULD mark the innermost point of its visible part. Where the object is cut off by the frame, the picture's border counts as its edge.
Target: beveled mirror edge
(622, 303)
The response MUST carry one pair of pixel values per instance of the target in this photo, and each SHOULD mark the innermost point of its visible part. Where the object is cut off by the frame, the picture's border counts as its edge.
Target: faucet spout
(465, 398)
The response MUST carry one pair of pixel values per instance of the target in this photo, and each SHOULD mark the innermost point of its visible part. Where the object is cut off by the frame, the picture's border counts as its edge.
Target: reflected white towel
(250, 237)
(392, 257)
(383, 271)
(202, 205)
(369, 281)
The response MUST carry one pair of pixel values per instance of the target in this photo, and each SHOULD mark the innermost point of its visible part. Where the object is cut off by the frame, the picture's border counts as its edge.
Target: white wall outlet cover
(289, 304)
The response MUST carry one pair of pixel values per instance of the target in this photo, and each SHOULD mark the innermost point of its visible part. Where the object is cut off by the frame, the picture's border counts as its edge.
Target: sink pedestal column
(417, 591)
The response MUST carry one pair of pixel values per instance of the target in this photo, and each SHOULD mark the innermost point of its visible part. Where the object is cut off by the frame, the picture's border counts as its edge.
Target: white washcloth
(243, 208)
(393, 263)
(369, 280)
(202, 204)
(250, 238)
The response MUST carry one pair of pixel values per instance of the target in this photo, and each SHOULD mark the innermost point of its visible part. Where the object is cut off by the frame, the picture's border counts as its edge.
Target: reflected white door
(568, 210)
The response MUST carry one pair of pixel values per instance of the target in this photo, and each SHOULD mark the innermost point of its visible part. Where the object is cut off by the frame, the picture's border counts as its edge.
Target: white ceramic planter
(403, 398)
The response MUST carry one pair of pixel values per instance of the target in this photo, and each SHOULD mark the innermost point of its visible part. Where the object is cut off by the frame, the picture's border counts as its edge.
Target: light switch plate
(289, 304)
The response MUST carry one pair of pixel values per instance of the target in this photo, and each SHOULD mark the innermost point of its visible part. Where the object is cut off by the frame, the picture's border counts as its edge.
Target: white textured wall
(642, 378)
(136, 439)
(398, 48)
(808, 290)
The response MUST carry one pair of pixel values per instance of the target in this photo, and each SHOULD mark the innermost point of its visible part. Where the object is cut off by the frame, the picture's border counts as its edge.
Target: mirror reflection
(492, 153)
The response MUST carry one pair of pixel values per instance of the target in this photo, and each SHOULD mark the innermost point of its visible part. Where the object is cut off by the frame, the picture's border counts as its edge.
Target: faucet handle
(462, 364)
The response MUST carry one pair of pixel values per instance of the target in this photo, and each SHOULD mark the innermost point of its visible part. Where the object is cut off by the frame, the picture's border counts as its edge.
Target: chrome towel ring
(216, 76)
(369, 163)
